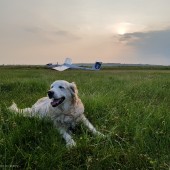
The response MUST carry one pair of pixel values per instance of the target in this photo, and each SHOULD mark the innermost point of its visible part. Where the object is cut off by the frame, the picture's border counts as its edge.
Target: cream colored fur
(64, 116)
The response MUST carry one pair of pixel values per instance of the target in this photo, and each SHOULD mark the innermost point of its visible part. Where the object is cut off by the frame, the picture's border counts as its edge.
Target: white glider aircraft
(68, 65)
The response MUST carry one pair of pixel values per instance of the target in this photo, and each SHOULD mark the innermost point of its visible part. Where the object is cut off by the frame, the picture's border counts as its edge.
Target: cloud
(33, 30)
(128, 38)
(54, 35)
(154, 42)
(151, 47)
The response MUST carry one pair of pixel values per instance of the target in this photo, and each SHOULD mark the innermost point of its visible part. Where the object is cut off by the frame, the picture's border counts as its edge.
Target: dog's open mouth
(56, 102)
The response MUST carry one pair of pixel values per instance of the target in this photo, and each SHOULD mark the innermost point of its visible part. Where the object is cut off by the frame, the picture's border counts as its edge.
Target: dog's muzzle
(55, 101)
(50, 94)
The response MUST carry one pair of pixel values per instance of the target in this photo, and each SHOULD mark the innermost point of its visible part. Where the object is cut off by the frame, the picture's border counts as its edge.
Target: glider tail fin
(97, 65)
(68, 61)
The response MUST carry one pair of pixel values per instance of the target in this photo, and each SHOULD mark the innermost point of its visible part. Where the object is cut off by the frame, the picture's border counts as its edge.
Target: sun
(121, 31)
(122, 28)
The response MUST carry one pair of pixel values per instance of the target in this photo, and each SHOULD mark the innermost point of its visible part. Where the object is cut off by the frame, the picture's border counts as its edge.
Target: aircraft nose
(50, 94)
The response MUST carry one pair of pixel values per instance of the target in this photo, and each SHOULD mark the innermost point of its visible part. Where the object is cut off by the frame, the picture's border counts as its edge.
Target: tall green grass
(130, 107)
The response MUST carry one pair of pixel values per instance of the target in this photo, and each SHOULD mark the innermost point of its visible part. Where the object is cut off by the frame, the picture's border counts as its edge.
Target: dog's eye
(61, 87)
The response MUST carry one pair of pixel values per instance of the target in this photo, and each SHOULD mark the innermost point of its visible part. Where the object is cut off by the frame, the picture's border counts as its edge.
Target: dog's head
(62, 91)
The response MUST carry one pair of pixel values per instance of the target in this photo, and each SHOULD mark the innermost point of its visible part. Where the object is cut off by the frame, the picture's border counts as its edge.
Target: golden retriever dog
(63, 107)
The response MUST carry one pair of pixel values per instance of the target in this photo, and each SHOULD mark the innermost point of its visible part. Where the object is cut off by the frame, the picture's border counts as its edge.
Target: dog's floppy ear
(73, 89)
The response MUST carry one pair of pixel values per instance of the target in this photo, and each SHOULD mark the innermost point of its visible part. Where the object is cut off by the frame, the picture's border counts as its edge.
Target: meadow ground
(131, 107)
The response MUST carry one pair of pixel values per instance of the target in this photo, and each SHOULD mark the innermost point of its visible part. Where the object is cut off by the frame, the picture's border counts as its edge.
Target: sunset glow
(123, 28)
(121, 31)
(40, 32)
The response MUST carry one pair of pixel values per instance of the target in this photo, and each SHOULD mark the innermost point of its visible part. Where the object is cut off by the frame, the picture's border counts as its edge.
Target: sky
(111, 31)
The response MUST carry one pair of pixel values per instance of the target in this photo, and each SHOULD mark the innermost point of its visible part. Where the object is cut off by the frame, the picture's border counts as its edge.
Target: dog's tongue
(55, 102)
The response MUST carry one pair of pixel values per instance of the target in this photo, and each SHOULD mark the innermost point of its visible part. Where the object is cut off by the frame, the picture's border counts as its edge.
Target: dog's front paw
(70, 144)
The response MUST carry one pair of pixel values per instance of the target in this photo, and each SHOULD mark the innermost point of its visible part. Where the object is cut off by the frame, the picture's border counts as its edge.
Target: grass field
(131, 107)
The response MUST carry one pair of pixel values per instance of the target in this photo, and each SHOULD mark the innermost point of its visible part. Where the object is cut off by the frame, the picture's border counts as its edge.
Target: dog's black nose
(50, 94)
